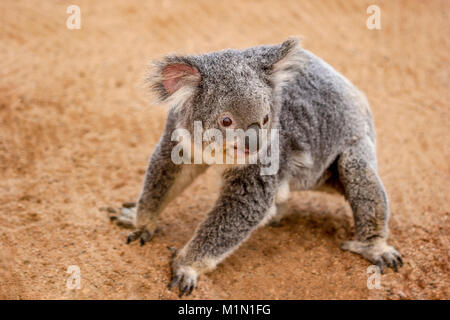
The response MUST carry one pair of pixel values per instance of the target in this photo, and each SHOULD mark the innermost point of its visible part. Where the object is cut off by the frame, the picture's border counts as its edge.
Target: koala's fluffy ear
(276, 53)
(281, 61)
(174, 80)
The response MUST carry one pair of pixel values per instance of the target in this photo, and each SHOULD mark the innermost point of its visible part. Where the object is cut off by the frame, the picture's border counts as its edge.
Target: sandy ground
(77, 127)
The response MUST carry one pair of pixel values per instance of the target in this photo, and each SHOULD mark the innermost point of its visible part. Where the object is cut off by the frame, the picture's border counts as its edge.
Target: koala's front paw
(126, 216)
(184, 277)
(378, 252)
(126, 219)
(142, 234)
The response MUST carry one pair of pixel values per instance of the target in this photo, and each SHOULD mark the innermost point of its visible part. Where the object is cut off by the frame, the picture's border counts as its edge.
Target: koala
(326, 139)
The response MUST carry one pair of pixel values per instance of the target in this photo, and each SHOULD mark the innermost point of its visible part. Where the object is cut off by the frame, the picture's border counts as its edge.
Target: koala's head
(230, 89)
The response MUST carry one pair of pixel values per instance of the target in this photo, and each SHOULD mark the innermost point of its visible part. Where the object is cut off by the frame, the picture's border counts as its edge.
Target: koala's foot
(185, 278)
(282, 211)
(126, 219)
(142, 234)
(126, 216)
(378, 252)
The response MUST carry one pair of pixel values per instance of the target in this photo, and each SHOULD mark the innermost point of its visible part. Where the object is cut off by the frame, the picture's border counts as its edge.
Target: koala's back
(323, 112)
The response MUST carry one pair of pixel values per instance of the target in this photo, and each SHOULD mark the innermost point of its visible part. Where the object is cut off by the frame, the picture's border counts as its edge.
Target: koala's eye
(266, 118)
(226, 122)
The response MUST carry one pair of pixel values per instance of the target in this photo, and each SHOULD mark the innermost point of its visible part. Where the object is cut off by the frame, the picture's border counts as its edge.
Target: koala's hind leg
(281, 203)
(365, 192)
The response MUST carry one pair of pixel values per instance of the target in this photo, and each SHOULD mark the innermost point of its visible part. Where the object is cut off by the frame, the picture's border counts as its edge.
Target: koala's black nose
(252, 138)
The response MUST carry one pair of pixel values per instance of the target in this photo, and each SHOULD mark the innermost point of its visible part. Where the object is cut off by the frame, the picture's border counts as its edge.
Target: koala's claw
(142, 234)
(379, 253)
(186, 281)
(392, 260)
(173, 252)
(133, 236)
(125, 218)
(145, 237)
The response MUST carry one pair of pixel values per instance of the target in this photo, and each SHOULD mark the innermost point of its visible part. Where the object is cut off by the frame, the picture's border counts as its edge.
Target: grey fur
(327, 137)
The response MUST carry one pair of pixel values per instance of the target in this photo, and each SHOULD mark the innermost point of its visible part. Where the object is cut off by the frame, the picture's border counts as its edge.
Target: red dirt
(77, 127)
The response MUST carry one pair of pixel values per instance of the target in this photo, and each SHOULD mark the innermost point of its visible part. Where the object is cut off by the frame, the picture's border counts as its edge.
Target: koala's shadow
(312, 221)
(315, 219)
